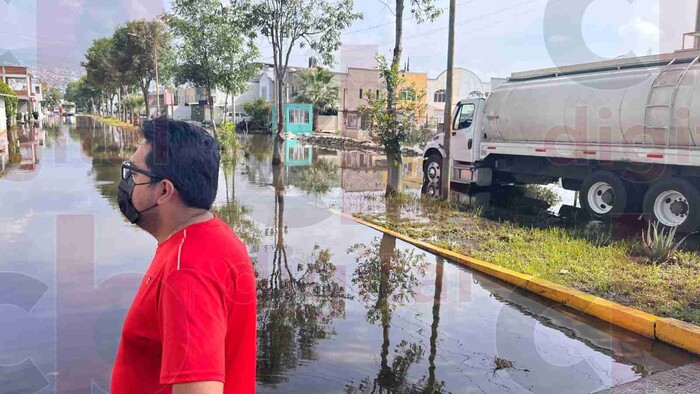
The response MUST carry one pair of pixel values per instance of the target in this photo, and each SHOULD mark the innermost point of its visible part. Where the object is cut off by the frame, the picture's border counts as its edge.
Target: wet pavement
(341, 307)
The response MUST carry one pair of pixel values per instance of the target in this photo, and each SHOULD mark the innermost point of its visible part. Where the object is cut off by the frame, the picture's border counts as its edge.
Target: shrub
(10, 102)
(659, 245)
(261, 113)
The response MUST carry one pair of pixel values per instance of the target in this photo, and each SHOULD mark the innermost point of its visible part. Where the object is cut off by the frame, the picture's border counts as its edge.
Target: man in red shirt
(191, 328)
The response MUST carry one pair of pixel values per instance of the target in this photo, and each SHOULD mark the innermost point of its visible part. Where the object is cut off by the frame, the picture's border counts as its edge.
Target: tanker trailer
(624, 133)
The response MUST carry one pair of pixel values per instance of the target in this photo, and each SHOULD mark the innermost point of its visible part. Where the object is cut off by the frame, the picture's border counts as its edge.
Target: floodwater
(341, 307)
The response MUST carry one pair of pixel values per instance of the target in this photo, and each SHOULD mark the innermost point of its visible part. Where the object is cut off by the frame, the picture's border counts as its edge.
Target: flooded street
(342, 308)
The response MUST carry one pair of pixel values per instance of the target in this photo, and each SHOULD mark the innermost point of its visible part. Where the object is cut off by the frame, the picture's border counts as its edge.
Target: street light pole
(697, 26)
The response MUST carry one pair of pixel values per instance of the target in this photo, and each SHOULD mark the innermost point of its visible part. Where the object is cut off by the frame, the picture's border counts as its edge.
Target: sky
(493, 38)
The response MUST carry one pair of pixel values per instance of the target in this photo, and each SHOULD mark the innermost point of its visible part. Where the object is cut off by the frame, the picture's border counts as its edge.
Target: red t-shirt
(193, 317)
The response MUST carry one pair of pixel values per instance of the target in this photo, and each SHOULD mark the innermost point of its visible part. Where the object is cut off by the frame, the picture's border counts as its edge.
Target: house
(20, 79)
(298, 118)
(464, 83)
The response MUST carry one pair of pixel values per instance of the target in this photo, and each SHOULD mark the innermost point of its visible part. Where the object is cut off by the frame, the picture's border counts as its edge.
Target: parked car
(239, 117)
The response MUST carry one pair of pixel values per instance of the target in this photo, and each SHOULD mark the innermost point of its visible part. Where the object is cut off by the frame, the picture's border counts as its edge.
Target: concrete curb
(674, 332)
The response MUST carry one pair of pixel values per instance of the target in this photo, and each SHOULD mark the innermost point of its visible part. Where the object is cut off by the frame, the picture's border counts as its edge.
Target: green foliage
(10, 102)
(659, 245)
(319, 178)
(318, 88)
(133, 103)
(545, 194)
(82, 93)
(215, 47)
(99, 65)
(134, 49)
(317, 24)
(386, 276)
(261, 112)
(52, 98)
(313, 23)
(402, 127)
(228, 142)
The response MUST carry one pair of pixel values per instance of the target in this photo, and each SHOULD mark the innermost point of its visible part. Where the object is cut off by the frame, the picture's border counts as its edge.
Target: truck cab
(465, 149)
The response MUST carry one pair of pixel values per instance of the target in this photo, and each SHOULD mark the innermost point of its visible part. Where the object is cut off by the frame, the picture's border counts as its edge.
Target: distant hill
(54, 75)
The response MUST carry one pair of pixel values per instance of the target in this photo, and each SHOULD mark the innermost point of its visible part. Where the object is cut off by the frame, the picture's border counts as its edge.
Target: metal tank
(651, 101)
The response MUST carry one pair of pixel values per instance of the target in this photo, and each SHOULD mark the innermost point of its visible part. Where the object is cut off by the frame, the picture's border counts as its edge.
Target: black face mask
(126, 189)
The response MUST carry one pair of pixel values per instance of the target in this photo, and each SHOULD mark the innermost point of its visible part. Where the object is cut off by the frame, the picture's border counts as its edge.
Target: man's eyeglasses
(128, 170)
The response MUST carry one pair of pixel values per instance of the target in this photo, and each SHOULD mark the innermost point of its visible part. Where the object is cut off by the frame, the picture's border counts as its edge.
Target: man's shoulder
(212, 246)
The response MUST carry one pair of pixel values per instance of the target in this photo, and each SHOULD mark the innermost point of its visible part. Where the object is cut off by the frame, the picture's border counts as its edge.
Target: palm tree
(316, 87)
(133, 104)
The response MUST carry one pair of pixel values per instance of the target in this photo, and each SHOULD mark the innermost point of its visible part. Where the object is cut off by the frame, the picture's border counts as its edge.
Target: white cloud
(640, 29)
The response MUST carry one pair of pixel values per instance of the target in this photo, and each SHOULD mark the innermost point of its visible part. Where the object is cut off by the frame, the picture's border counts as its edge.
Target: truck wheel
(674, 202)
(603, 194)
(431, 176)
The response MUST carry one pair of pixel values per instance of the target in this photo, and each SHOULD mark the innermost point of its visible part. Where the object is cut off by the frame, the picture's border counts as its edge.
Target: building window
(299, 116)
(361, 94)
(352, 121)
(408, 95)
(17, 84)
(264, 93)
(439, 96)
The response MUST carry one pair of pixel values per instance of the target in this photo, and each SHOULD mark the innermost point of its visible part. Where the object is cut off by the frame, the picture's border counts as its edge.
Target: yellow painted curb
(675, 332)
(679, 333)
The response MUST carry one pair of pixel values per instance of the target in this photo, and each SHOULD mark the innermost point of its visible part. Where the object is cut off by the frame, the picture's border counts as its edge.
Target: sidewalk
(681, 380)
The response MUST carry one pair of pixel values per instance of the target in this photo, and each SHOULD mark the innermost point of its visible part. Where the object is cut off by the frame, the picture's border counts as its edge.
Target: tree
(83, 94)
(215, 47)
(422, 10)
(288, 24)
(135, 48)
(52, 97)
(261, 112)
(393, 128)
(100, 69)
(10, 102)
(318, 88)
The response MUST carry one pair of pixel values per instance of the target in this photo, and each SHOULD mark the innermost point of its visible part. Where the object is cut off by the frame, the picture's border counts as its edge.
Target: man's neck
(187, 218)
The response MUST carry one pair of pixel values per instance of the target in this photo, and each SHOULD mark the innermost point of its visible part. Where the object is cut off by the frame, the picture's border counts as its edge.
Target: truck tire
(431, 176)
(602, 195)
(674, 202)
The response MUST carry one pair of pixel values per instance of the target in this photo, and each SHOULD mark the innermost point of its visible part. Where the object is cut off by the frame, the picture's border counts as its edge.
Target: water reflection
(386, 277)
(298, 299)
(371, 320)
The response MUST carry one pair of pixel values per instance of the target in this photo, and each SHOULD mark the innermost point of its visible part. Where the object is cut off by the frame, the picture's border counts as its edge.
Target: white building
(465, 82)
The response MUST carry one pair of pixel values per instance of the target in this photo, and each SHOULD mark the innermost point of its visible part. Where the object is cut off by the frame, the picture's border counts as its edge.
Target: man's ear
(167, 191)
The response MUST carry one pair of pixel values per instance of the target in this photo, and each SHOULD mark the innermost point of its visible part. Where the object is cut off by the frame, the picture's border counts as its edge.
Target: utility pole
(447, 123)
(697, 26)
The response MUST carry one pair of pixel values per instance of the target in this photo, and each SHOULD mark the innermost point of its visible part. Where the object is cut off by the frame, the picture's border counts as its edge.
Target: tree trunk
(144, 91)
(387, 247)
(210, 99)
(315, 120)
(395, 163)
(278, 152)
(394, 156)
(436, 321)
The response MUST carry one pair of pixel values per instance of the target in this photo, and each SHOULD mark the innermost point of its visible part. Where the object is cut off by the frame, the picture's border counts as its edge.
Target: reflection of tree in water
(318, 179)
(297, 301)
(107, 147)
(385, 278)
(237, 215)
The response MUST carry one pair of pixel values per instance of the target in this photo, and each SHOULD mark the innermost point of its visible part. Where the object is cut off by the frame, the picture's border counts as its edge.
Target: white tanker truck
(625, 133)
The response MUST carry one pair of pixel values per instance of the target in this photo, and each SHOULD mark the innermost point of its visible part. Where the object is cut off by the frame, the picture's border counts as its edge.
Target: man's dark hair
(187, 155)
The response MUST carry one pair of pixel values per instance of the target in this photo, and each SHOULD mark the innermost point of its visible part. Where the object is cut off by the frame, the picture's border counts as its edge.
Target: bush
(261, 113)
(10, 102)
(659, 245)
